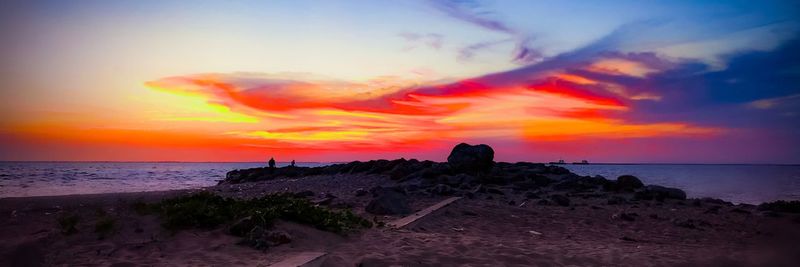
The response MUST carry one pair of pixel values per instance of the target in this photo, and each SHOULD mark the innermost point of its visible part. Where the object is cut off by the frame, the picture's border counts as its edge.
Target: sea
(752, 184)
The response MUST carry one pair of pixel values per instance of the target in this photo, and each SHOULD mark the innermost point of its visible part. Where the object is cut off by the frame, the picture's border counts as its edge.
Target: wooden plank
(416, 216)
(302, 259)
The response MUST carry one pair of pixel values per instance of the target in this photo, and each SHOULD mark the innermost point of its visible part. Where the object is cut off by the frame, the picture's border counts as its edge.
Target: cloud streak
(474, 13)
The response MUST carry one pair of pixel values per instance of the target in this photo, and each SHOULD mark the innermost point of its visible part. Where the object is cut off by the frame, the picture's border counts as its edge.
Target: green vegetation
(207, 210)
(104, 226)
(67, 222)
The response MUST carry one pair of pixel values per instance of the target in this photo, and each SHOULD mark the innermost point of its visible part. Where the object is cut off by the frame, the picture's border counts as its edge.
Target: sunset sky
(605, 81)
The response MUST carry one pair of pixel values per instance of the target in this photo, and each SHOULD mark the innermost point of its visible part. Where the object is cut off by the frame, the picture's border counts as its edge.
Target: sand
(469, 232)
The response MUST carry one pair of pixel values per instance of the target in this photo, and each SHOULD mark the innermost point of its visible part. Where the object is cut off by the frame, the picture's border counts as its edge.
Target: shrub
(207, 210)
(67, 223)
(104, 226)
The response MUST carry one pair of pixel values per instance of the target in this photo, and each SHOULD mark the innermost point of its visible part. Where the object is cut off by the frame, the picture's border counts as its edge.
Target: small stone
(494, 191)
(361, 192)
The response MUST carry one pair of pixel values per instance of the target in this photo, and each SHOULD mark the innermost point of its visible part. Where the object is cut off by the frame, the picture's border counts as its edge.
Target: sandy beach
(572, 221)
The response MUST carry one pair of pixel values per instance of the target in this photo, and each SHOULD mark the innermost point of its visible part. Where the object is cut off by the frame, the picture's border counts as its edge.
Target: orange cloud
(383, 113)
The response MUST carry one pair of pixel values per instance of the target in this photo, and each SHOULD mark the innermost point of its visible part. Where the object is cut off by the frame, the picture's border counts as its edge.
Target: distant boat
(561, 161)
(583, 162)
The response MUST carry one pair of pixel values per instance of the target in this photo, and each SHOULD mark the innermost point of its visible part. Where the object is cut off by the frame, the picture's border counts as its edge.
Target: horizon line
(337, 162)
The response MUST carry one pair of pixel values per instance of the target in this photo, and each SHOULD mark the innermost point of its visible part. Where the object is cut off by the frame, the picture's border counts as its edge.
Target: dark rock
(628, 183)
(738, 210)
(691, 223)
(539, 179)
(712, 210)
(442, 190)
(659, 193)
(435, 170)
(577, 183)
(467, 158)
(469, 195)
(361, 192)
(552, 169)
(560, 200)
(494, 191)
(400, 171)
(616, 200)
(526, 185)
(460, 179)
(303, 194)
(479, 189)
(716, 201)
(531, 195)
(512, 203)
(543, 202)
(781, 206)
(388, 201)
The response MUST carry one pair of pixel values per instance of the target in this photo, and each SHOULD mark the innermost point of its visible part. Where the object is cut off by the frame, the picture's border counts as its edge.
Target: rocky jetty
(470, 171)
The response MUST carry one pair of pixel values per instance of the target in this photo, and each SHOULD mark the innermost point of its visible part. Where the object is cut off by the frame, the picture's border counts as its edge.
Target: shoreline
(518, 214)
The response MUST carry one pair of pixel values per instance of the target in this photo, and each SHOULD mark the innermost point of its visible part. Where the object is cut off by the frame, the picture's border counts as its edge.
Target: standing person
(292, 163)
(271, 163)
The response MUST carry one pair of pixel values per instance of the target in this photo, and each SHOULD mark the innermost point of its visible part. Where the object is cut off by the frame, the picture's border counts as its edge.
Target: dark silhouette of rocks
(781, 206)
(388, 201)
(471, 171)
(658, 192)
(468, 158)
(560, 200)
(627, 183)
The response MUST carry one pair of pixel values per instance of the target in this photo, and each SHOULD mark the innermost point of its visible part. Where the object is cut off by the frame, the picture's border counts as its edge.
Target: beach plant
(104, 226)
(206, 210)
(141, 208)
(68, 222)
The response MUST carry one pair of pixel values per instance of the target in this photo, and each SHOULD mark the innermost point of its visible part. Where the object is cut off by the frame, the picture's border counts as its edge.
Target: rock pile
(470, 171)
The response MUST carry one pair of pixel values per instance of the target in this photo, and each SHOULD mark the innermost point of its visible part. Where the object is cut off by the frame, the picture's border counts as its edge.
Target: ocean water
(751, 184)
(737, 183)
(20, 179)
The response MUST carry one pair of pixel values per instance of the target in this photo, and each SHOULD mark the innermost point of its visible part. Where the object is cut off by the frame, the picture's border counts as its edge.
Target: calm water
(66, 178)
(737, 183)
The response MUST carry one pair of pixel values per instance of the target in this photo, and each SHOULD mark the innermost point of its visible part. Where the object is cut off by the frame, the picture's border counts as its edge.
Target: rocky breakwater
(471, 171)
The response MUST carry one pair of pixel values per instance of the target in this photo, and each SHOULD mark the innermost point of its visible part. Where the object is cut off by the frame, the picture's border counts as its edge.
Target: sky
(603, 81)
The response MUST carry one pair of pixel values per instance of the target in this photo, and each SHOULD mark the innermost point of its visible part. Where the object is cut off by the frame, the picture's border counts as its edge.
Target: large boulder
(468, 158)
(388, 201)
(628, 183)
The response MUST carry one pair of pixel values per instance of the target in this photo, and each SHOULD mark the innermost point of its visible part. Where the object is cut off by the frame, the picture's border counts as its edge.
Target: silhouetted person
(272, 163)
(292, 163)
